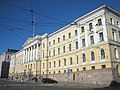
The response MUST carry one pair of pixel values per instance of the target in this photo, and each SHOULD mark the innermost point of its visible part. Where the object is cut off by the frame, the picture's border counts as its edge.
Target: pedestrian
(22, 80)
(36, 80)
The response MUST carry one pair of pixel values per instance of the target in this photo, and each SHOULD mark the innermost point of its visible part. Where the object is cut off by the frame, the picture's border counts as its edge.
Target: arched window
(102, 54)
(70, 60)
(116, 53)
(92, 56)
(84, 57)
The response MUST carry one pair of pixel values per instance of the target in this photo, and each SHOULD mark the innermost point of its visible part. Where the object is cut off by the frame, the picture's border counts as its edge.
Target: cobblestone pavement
(17, 85)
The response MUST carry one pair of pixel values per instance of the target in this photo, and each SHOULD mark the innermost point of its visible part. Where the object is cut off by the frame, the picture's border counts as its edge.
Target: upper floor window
(49, 64)
(114, 35)
(64, 62)
(69, 47)
(82, 29)
(49, 53)
(59, 63)
(83, 57)
(49, 43)
(92, 56)
(101, 36)
(43, 54)
(43, 65)
(102, 54)
(83, 42)
(53, 42)
(111, 21)
(54, 52)
(58, 50)
(69, 35)
(63, 37)
(76, 33)
(91, 39)
(90, 26)
(58, 40)
(70, 60)
(63, 49)
(117, 23)
(77, 59)
(116, 53)
(99, 22)
(54, 64)
(76, 44)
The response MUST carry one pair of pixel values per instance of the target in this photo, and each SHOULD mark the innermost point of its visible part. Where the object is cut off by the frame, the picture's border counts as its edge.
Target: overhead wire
(38, 13)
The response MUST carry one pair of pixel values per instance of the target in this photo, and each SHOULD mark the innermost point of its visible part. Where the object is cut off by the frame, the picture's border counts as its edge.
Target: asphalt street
(13, 85)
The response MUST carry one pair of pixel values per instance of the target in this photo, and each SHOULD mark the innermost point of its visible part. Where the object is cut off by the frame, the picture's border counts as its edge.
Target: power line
(38, 13)
(17, 34)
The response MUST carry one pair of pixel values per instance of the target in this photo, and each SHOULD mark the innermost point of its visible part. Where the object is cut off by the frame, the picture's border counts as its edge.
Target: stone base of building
(102, 77)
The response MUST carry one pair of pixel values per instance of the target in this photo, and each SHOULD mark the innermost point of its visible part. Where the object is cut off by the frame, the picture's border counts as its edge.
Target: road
(13, 85)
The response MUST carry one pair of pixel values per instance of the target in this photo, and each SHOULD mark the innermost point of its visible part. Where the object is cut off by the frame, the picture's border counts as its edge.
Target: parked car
(48, 80)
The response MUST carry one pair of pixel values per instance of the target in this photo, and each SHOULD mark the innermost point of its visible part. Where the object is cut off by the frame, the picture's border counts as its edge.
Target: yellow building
(85, 51)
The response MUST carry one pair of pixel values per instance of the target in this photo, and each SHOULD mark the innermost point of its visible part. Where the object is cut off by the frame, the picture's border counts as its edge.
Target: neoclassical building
(85, 51)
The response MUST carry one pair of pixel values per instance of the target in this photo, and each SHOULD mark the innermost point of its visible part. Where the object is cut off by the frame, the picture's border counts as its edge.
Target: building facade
(5, 62)
(85, 51)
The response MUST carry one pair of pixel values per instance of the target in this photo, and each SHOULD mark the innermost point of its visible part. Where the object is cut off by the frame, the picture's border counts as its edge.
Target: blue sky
(50, 15)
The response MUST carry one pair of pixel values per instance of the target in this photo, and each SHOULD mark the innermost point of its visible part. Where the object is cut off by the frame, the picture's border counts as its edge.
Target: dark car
(48, 80)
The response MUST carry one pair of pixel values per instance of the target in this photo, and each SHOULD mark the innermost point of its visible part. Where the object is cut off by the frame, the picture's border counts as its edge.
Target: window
(54, 72)
(84, 68)
(63, 49)
(83, 42)
(82, 29)
(59, 63)
(76, 44)
(49, 53)
(64, 62)
(113, 35)
(91, 40)
(49, 43)
(77, 60)
(117, 23)
(59, 72)
(76, 33)
(64, 71)
(83, 57)
(92, 56)
(63, 37)
(101, 36)
(70, 60)
(54, 64)
(90, 26)
(111, 21)
(93, 67)
(58, 40)
(49, 64)
(77, 69)
(102, 54)
(43, 54)
(70, 70)
(69, 47)
(53, 42)
(43, 45)
(103, 66)
(58, 50)
(54, 52)
(99, 22)
(116, 53)
(69, 35)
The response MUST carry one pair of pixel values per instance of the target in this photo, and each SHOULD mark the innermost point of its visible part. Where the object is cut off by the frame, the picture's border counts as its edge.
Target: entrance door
(73, 77)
